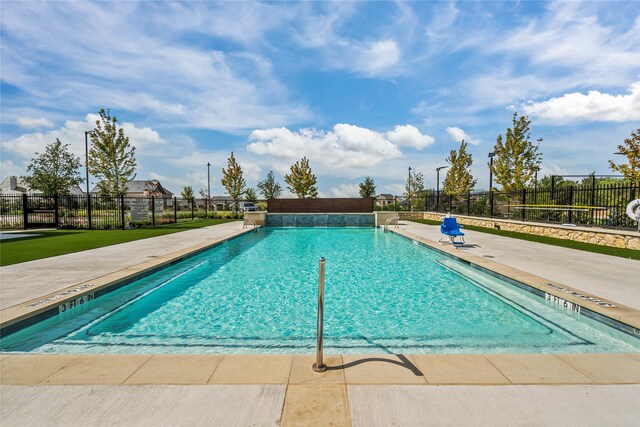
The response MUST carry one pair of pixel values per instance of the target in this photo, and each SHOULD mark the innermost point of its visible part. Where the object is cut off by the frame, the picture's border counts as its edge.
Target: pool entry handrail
(390, 220)
(253, 222)
(319, 366)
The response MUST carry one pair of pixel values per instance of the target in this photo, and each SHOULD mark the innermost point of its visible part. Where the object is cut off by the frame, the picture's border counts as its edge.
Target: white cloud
(377, 57)
(72, 133)
(458, 135)
(9, 168)
(32, 122)
(594, 106)
(409, 136)
(153, 73)
(344, 147)
(345, 190)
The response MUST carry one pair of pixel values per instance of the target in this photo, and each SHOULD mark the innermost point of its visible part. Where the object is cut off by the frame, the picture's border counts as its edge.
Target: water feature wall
(320, 220)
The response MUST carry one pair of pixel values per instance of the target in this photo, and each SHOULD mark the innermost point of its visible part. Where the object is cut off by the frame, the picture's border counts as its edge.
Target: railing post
(25, 215)
(122, 210)
(469, 203)
(490, 203)
(89, 210)
(193, 199)
(153, 210)
(524, 203)
(56, 211)
(570, 204)
(319, 366)
(175, 210)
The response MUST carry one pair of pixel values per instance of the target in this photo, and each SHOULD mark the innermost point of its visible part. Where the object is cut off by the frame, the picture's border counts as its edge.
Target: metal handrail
(244, 224)
(390, 220)
(319, 366)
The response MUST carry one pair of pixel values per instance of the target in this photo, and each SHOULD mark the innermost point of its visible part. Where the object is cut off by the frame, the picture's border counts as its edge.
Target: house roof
(141, 186)
(22, 187)
(385, 196)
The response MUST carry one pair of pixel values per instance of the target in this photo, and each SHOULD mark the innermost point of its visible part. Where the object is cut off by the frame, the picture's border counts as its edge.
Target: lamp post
(208, 190)
(86, 167)
(438, 185)
(409, 189)
(491, 184)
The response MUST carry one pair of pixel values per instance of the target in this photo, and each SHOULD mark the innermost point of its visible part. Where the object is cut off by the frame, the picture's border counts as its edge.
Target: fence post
(153, 210)
(25, 215)
(89, 209)
(193, 199)
(56, 212)
(122, 210)
(524, 202)
(571, 204)
(490, 203)
(175, 209)
(469, 203)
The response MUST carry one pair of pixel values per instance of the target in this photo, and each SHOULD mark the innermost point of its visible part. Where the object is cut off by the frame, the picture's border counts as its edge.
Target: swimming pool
(258, 294)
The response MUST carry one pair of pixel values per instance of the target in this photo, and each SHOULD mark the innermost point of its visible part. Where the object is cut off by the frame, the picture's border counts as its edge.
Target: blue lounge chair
(450, 230)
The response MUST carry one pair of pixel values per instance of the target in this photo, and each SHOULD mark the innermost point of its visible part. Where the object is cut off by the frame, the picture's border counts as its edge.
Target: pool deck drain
(492, 389)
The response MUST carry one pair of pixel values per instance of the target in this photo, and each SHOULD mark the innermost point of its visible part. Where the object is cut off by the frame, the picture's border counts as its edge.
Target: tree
(301, 181)
(250, 195)
(187, 193)
(631, 149)
(414, 189)
(111, 159)
(459, 179)
(207, 200)
(233, 181)
(516, 157)
(367, 188)
(269, 188)
(55, 171)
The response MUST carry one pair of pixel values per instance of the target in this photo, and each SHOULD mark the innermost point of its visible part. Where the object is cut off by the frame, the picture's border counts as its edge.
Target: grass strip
(589, 247)
(50, 243)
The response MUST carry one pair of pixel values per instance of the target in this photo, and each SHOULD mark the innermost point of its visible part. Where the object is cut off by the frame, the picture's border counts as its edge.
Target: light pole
(86, 167)
(409, 189)
(491, 184)
(208, 189)
(438, 185)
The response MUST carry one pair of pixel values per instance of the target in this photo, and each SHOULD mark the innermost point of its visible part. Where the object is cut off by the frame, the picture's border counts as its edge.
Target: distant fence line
(97, 212)
(602, 206)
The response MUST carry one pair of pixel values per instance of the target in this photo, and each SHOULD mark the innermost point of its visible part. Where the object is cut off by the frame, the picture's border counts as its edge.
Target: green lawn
(607, 250)
(60, 242)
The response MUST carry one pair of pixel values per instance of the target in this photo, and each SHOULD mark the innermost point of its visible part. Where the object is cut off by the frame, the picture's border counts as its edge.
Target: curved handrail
(253, 221)
(389, 220)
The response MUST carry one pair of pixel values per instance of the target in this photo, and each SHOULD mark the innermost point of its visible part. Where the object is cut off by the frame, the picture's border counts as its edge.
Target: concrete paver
(316, 406)
(536, 369)
(301, 372)
(508, 406)
(253, 369)
(606, 368)
(458, 369)
(176, 369)
(100, 405)
(98, 369)
(32, 368)
(381, 369)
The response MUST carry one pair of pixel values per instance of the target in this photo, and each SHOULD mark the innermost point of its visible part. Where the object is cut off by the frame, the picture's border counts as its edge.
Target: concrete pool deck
(363, 390)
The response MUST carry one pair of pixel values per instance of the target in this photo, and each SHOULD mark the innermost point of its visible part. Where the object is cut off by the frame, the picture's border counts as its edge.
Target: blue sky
(361, 88)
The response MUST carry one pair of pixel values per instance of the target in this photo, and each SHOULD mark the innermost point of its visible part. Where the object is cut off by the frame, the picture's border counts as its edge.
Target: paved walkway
(614, 278)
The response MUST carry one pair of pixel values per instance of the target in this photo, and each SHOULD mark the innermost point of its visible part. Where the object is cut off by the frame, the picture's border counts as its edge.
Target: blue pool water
(258, 294)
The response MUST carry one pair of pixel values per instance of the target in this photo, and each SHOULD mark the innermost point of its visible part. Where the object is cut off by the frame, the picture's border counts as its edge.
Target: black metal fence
(97, 212)
(602, 206)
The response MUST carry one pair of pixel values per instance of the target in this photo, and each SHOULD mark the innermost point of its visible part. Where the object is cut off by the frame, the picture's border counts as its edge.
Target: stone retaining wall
(596, 236)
